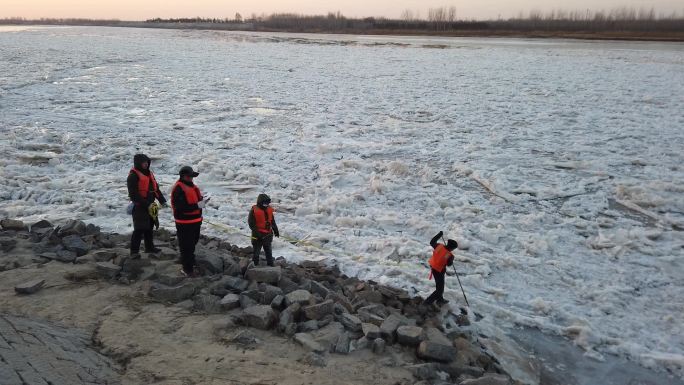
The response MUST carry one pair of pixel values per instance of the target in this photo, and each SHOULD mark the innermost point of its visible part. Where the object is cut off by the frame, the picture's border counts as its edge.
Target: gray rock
(212, 264)
(287, 285)
(329, 335)
(301, 297)
(230, 301)
(134, 267)
(107, 270)
(409, 335)
(236, 284)
(288, 316)
(342, 345)
(30, 287)
(428, 371)
(173, 294)
(378, 346)
(434, 351)
(231, 268)
(278, 302)
(270, 292)
(76, 244)
(12, 224)
(245, 337)
(368, 316)
(317, 288)
(489, 379)
(91, 229)
(390, 325)
(264, 274)
(169, 280)
(370, 331)
(207, 303)
(370, 296)
(340, 299)
(308, 342)
(318, 311)
(73, 227)
(103, 255)
(362, 343)
(350, 322)
(7, 244)
(315, 359)
(42, 224)
(65, 256)
(436, 336)
(308, 326)
(166, 254)
(456, 371)
(246, 301)
(259, 316)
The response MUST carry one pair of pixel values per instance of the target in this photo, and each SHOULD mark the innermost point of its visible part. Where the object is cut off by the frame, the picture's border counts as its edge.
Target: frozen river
(558, 165)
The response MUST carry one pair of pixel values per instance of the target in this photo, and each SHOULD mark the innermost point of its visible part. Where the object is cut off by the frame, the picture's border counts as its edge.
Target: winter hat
(451, 244)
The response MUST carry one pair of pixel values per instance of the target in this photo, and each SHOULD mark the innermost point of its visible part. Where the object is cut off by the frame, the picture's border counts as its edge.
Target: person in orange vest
(187, 203)
(143, 190)
(262, 223)
(441, 258)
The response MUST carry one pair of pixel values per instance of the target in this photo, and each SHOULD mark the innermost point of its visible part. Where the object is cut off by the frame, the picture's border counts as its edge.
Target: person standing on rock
(262, 223)
(187, 203)
(441, 258)
(143, 190)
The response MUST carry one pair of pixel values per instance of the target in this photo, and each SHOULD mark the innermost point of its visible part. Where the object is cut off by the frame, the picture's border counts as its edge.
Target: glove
(440, 234)
(201, 204)
(277, 234)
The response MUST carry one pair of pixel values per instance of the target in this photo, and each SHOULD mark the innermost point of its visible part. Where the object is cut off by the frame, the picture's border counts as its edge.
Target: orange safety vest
(440, 258)
(144, 183)
(263, 224)
(192, 196)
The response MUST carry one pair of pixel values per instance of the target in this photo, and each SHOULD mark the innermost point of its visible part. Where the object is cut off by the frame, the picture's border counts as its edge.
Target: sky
(147, 9)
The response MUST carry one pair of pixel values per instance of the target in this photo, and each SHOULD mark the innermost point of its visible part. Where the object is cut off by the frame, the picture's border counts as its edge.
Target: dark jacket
(251, 221)
(180, 203)
(433, 243)
(141, 218)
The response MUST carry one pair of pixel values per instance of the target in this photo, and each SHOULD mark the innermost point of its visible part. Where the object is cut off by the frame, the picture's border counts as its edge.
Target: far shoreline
(624, 36)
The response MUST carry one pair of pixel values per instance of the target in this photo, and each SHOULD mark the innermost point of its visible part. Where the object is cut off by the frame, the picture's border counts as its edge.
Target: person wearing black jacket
(143, 190)
(261, 221)
(187, 203)
(441, 258)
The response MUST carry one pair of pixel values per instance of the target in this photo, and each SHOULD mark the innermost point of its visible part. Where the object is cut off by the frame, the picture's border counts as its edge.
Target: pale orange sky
(144, 9)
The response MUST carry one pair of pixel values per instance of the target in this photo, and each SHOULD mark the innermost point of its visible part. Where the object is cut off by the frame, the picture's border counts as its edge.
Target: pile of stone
(327, 312)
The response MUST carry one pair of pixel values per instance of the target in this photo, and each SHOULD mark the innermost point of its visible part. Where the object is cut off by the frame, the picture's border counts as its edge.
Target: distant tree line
(440, 20)
(445, 19)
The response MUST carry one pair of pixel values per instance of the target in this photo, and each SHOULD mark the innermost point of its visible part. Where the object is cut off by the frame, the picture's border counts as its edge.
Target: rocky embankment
(288, 324)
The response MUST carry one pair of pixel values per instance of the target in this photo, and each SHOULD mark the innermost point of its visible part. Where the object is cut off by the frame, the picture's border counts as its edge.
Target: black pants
(138, 235)
(188, 236)
(259, 241)
(439, 284)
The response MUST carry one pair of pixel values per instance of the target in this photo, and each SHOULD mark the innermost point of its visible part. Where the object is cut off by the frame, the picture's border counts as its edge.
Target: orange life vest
(192, 196)
(144, 183)
(440, 258)
(263, 219)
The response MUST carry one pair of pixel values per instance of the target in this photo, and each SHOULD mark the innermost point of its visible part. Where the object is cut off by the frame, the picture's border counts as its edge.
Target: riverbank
(656, 36)
(290, 324)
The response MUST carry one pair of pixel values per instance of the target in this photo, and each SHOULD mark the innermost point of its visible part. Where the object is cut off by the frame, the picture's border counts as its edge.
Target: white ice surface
(519, 149)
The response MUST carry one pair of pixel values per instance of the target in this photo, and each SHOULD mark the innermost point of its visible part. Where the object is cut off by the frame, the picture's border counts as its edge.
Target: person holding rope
(441, 258)
(143, 191)
(262, 223)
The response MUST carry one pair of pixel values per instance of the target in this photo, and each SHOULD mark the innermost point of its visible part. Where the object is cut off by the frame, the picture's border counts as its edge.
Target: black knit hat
(451, 244)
